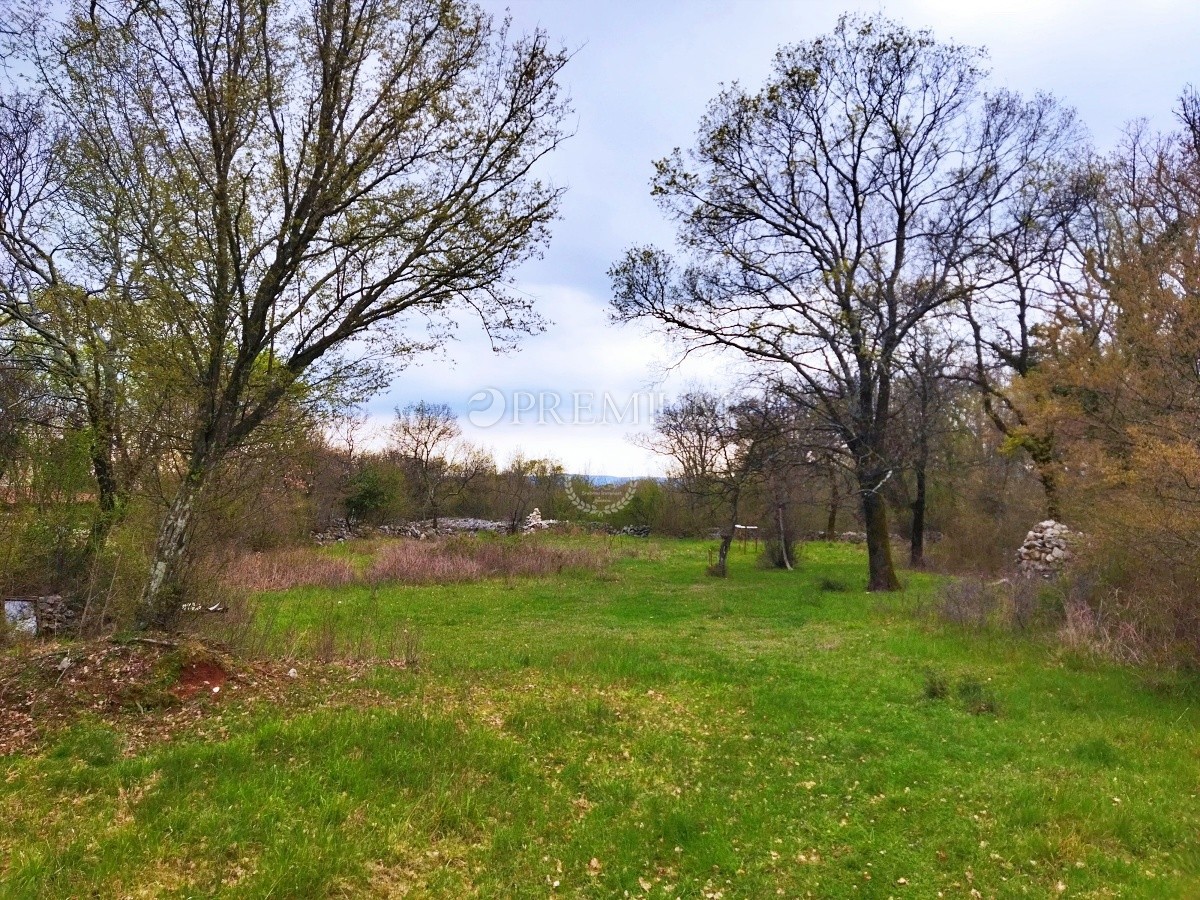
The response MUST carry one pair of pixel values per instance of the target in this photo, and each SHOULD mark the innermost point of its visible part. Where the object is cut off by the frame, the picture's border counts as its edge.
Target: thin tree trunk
(723, 553)
(835, 501)
(882, 572)
(916, 554)
(101, 418)
(783, 543)
(727, 538)
(107, 492)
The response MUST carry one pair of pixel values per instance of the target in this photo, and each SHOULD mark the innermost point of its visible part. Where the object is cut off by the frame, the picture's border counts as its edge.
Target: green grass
(757, 736)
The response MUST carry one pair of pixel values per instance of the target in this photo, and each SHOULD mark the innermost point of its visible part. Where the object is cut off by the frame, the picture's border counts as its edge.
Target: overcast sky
(642, 73)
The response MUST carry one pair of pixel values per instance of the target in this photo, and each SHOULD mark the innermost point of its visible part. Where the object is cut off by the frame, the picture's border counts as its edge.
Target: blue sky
(642, 73)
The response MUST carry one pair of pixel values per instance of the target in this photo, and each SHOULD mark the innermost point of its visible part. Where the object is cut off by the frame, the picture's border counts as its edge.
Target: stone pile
(424, 530)
(1046, 550)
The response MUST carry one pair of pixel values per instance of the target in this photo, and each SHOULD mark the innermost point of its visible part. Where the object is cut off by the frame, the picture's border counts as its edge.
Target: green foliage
(373, 491)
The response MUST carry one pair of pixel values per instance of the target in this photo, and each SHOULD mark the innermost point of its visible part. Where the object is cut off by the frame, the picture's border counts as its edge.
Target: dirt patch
(150, 689)
(200, 676)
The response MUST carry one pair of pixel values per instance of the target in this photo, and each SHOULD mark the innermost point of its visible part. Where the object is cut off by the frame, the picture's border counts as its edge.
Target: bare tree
(292, 181)
(64, 288)
(1033, 272)
(929, 379)
(715, 456)
(525, 483)
(828, 214)
(427, 436)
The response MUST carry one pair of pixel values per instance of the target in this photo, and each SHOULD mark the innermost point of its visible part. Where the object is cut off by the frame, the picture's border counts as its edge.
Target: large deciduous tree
(826, 215)
(289, 182)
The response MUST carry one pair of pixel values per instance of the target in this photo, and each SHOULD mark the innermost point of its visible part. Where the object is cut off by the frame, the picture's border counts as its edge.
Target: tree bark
(882, 571)
(723, 553)
(727, 538)
(100, 404)
(835, 501)
(107, 493)
(916, 555)
(1048, 476)
(783, 538)
(163, 593)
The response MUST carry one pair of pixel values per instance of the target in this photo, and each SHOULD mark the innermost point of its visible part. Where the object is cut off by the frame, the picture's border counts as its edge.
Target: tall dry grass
(411, 562)
(279, 570)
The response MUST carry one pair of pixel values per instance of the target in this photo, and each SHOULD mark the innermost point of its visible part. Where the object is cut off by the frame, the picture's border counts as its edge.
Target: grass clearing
(643, 729)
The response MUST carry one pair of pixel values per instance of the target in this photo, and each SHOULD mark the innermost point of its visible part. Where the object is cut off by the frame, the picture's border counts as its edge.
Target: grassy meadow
(635, 730)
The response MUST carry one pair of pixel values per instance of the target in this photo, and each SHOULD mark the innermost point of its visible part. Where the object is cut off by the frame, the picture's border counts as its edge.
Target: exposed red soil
(194, 677)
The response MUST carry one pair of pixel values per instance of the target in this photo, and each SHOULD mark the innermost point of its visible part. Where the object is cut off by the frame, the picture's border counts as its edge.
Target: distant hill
(603, 480)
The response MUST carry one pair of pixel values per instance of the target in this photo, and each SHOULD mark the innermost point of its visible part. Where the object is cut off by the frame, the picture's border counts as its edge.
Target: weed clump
(1010, 604)
(833, 585)
(976, 697)
(937, 685)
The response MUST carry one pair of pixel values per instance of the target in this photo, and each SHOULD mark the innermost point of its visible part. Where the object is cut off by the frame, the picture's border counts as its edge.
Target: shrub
(967, 602)
(279, 570)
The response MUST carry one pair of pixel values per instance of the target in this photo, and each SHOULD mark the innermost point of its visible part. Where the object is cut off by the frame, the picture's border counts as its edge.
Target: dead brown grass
(279, 570)
(469, 559)
(412, 562)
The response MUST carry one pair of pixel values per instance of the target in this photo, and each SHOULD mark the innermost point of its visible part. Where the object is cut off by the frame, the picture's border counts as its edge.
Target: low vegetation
(410, 562)
(636, 728)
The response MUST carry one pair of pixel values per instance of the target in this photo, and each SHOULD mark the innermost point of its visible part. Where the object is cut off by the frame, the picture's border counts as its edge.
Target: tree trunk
(163, 594)
(783, 538)
(834, 502)
(916, 554)
(107, 495)
(1048, 475)
(101, 411)
(882, 572)
(723, 553)
(727, 538)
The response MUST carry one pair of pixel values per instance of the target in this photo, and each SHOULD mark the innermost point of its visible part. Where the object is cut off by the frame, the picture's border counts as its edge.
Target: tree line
(223, 224)
(874, 225)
